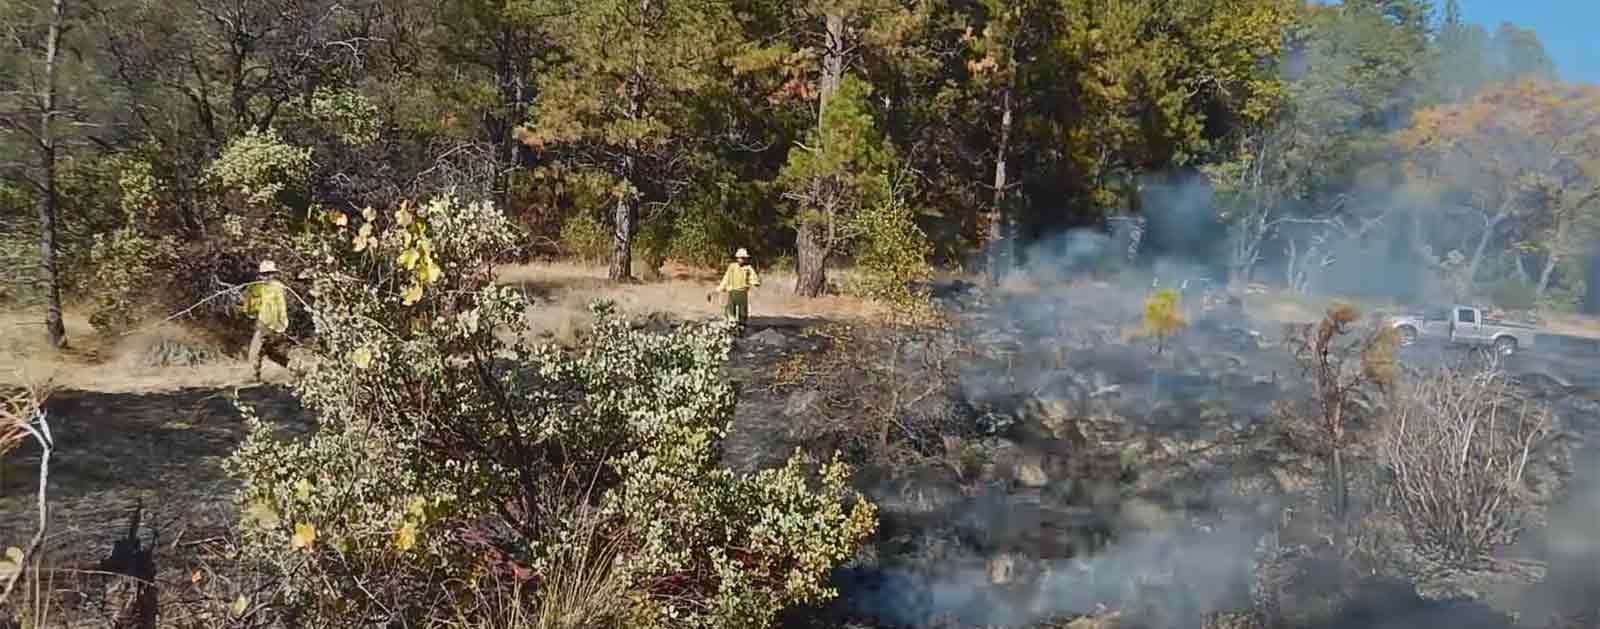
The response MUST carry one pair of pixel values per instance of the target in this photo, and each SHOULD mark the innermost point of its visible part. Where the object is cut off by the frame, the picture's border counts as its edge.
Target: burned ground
(1036, 464)
(1088, 476)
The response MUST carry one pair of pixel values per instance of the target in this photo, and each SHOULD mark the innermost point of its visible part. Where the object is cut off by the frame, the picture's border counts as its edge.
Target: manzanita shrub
(452, 457)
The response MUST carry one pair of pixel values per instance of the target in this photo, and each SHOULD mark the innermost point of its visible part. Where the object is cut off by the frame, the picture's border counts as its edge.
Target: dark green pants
(738, 306)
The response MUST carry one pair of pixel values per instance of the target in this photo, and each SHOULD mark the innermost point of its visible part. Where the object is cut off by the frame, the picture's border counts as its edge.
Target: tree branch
(42, 435)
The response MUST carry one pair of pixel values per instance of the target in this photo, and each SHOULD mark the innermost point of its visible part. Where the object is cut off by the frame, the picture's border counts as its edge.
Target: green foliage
(585, 237)
(1147, 93)
(783, 262)
(261, 167)
(625, 99)
(1467, 57)
(1163, 317)
(20, 273)
(20, 270)
(700, 238)
(1513, 294)
(127, 264)
(710, 224)
(1567, 297)
(452, 457)
(653, 244)
(892, 254)
(349, 113)
(844, 164)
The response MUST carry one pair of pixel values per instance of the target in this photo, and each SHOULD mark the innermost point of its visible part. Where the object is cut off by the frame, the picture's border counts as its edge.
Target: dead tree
(1348, 369)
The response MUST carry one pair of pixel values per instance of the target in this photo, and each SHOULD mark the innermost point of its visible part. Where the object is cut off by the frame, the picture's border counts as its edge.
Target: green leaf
(12, 563)
(431, 271)
(305, 534)
(262, 514)
(406, 538)
(362, 357)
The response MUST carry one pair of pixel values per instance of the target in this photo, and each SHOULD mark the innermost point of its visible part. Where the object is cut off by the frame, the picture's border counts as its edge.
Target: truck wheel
(1505, 346)
(1408, 336)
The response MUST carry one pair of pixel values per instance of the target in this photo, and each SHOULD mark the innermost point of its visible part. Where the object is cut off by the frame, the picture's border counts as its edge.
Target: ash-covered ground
(1039, 464)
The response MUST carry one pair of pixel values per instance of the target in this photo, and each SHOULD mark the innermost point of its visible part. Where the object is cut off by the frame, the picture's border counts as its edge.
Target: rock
(1106, 391)
(1001, 569)
(802, 403)
(1031, 474)
(769, 338)
(1112, 620)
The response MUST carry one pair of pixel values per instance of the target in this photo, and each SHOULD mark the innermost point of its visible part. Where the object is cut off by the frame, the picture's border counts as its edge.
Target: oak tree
(1519, 155)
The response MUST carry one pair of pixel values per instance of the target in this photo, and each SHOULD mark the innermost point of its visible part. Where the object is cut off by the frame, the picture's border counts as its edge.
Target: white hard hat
(268, 266)
(741, 253)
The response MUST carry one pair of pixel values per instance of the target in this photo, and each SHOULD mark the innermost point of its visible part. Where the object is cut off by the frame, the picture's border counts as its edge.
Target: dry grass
(112, 364)
(1283, 307)
(1572, 325)
(561, 292)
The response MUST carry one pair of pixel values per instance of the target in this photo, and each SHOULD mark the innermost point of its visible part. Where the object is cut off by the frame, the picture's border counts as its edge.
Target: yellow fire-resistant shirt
(739, 277)
(268, 304)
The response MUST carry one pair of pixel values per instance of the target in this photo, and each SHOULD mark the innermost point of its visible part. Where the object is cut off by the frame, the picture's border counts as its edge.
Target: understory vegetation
(589, 481)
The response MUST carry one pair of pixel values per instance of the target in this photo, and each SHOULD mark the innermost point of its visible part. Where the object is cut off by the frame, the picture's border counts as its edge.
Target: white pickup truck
(1464, 325)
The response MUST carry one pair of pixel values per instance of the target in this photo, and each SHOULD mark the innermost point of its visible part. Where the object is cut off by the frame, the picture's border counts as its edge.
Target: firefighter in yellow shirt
(737, 282)
(265, 301)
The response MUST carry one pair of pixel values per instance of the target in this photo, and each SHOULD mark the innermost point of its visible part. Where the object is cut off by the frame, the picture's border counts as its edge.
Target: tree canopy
(638, 132)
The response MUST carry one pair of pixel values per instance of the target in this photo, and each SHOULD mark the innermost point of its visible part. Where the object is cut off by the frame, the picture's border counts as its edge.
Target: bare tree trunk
(998, 217)
(832, 62)
(1246, 251)
(1255, 226)
(814, 239)
(1489, 227)
(48, 197)
(811, 260)
(624, 216)
(1291, 257)
(1550, 262)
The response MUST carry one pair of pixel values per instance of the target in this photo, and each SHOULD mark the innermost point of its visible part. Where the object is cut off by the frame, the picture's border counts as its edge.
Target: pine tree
(620, 106)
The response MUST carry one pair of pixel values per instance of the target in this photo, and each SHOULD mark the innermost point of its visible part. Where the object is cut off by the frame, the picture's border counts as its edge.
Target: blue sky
(1570, 29)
